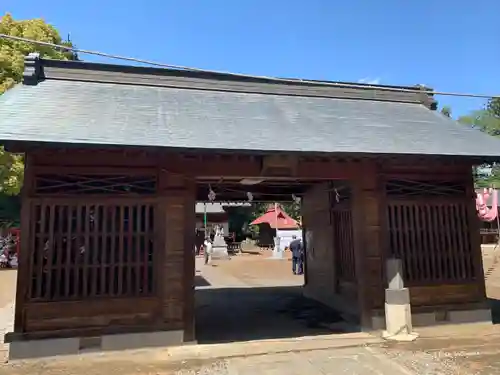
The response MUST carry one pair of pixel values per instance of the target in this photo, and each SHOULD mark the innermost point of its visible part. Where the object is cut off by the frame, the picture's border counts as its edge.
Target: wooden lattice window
(92, 250)
(71, 184)
(343, 243)
(432, 239)
(409, 188)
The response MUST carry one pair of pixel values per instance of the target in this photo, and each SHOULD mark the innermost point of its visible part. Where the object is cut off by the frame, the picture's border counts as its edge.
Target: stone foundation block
(378, 322)
(470, 316)
(43, 348)
(142, 340)
(77, 345)
(424, 319)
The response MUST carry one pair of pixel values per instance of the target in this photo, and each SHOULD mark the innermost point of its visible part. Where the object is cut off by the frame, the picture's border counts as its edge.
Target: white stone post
(219, 246)
(397, 305)
(277, 253)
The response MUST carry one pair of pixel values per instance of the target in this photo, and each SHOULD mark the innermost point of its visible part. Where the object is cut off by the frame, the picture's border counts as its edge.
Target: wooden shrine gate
(110, 250)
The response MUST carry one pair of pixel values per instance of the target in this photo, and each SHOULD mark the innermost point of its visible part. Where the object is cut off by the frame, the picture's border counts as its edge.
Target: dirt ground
(256, 267)
(232, 298)
(8, 286)
(253, 297)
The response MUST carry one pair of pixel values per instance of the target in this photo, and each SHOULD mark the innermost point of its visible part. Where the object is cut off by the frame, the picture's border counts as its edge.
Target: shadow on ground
(495, 310)
(251, 252)
(200, 281)
(245, 314)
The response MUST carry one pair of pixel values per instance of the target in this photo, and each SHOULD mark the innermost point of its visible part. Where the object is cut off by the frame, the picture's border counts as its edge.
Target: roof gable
(276, 218)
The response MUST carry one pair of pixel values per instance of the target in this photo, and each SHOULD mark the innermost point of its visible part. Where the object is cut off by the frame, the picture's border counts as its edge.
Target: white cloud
(370, 81)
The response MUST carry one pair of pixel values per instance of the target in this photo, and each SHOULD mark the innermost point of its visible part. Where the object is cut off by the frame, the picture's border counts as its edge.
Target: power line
(240, 75)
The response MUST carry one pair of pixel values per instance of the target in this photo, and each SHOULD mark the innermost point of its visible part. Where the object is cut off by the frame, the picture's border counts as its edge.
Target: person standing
(297, 255)
(199, 240)
(208, 249)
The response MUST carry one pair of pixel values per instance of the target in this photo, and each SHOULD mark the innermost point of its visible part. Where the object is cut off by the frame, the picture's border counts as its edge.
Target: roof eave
(26, 146)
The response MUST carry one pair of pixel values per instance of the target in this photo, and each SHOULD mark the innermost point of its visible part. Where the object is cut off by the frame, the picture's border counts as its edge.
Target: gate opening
(253, 293)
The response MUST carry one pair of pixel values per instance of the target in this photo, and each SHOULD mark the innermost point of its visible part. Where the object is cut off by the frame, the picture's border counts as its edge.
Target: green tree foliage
(446, 111)
(10, 209)
(486, 120)
(493, 107)
(12, 55)
(292, 209)
(484, 179)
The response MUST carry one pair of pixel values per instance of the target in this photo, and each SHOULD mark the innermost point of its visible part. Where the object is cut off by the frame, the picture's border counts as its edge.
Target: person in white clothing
(208, 249)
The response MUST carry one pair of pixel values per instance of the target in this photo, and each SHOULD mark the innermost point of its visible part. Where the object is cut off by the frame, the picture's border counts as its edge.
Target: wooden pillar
(320, 262)
(304, 244)
(176, 274)
(189, 260)
(24, 267)
(368, 214)
(170, 273)
(475, 236)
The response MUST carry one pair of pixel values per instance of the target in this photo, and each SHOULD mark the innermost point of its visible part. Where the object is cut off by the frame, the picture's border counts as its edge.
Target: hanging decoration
(211, 194)
(250, 196)
(484, 212)
(337, 195)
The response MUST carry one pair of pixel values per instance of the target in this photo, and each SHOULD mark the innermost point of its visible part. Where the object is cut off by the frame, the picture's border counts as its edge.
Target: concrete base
(440, 317)
(402, 337)
(470, 316)
(219, 253)
(75, 345)
(219, 249)
(141, 340)
(277, 254)
(398, 319)
(43, 348)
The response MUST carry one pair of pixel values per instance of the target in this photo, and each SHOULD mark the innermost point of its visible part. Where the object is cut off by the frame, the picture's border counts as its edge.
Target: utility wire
(274, 79)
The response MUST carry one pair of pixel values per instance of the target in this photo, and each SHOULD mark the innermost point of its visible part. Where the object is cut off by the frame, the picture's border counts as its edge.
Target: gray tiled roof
(84, 112)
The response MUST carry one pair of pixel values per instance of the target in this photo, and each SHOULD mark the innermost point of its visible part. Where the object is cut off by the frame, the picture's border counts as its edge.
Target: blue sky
(448, 45)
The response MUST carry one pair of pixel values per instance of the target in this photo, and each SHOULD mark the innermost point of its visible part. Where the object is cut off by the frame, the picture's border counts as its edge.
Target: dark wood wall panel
(81, 316)
(94, 249)
(433, 241)
(429, 230)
